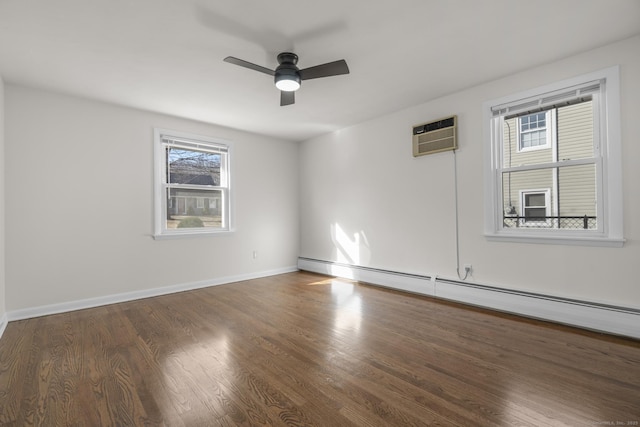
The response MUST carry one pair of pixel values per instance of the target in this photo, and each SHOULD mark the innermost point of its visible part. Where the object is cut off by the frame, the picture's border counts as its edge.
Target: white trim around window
(181, 193)
(604, 88)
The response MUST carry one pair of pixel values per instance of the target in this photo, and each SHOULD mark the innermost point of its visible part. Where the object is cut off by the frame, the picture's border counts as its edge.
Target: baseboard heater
(589, 315)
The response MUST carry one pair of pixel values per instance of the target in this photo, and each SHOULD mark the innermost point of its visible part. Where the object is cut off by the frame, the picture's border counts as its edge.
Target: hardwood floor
(302, 349)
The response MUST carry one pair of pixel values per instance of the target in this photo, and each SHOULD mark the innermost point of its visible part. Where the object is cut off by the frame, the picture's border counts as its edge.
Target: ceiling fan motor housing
(287, 70)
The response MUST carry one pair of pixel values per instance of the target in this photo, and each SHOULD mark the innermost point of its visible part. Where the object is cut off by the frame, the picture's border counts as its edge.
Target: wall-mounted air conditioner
(433, 137)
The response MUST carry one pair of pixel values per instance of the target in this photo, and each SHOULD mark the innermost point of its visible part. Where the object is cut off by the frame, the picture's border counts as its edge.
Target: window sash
(164, 140)
(551, 166)
(222, 189)
(224, 200)
(224, 161)
(522, 108)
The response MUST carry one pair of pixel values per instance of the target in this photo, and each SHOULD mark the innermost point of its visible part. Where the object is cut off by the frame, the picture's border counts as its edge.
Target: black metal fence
(563, 222)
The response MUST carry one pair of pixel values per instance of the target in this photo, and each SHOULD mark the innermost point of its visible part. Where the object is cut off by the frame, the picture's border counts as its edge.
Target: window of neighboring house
(535, 209)
(563, 138)
(188, 170)
(535, 131)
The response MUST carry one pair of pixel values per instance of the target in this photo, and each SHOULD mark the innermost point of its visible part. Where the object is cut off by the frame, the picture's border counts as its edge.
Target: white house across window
(192, 184)
(553, 167)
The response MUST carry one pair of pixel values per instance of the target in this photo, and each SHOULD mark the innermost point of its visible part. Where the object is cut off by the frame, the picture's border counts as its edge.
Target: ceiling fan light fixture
(288, 82)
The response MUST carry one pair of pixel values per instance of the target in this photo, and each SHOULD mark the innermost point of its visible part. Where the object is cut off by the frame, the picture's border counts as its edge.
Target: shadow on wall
(352, 249)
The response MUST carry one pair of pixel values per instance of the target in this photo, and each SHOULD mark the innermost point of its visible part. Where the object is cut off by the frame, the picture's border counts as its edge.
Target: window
(535, 131)
(190, 169)
(535, 209)
(552, 172)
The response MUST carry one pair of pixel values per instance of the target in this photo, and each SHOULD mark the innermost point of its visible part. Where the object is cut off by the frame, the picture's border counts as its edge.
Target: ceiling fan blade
(334, 68)
(287, 98)
(249, 65)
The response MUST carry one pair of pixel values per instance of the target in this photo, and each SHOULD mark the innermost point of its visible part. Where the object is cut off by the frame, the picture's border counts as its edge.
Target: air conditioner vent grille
(435, 137)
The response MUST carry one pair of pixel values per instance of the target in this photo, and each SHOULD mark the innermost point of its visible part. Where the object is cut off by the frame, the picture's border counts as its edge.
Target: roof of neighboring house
(182, 178)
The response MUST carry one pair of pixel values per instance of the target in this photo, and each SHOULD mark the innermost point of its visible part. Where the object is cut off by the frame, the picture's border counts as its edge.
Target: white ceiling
(166, 55)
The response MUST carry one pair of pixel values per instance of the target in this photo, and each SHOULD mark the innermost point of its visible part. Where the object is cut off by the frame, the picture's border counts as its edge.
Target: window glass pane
(575, 131)
(511, 154)
(192, 167)
(533, 139)
(577, 188)
(535, 199)
(572, 197)
(535, 214)
(541, 138)
(533, 121)
(194, 208)
(514, 184)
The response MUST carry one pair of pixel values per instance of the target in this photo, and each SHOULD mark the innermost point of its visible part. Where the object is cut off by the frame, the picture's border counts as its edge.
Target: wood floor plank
(302, 349)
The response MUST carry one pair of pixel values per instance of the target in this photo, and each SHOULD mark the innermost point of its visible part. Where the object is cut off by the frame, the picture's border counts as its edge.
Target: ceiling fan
(288, 76)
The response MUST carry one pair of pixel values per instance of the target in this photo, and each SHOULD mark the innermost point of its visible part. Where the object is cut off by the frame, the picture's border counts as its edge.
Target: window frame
(161, 186)
(607, 158)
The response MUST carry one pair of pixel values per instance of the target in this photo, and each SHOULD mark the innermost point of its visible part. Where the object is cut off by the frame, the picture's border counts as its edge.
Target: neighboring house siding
(573, 189)
(575, 140)
(576, 184)
(529, 180)
(576, 128)
(577, 190)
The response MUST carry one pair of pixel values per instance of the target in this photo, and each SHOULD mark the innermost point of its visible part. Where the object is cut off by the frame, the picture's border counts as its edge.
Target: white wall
(2, 211)
(79, 206)
(365, 200)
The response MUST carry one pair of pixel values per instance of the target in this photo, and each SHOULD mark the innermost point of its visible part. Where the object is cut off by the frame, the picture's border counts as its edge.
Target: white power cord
(467, 270)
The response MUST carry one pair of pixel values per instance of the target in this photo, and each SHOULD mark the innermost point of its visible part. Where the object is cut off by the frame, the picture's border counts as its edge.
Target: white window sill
(191, 234)
(556, 239)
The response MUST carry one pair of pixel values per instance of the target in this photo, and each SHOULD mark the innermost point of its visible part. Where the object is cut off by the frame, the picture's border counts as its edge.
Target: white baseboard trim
(3, 323)
(588, 315)
(64, 307)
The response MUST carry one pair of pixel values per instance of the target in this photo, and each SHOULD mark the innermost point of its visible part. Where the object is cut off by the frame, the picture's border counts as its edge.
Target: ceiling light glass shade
(288, 84)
